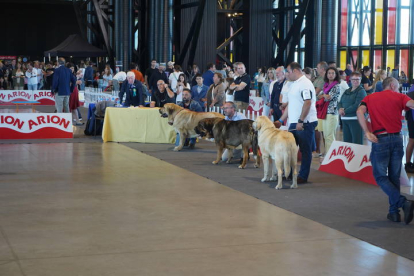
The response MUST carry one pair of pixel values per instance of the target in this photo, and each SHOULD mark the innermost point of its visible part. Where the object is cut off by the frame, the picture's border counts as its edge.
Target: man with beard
(192, 105)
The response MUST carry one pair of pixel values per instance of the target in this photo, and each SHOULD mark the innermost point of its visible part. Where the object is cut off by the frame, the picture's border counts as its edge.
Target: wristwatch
(300, 121)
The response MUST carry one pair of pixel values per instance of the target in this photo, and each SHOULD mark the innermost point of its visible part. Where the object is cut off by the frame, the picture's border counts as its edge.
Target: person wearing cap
(132, 88)
(157, 75)
(387, 150)
(170, 68)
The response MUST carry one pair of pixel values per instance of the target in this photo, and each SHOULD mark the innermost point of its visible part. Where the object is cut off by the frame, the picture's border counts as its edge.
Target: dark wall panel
(207, 41)
(30, 29)
(257, 34)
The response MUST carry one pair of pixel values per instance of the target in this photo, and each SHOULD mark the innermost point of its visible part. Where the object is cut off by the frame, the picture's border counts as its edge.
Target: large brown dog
(184, 121)
(281, 147)
(229, 135)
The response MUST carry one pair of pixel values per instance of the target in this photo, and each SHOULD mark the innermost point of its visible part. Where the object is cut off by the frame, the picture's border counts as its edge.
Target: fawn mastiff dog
(281, 147)
(229, 135)
(184, 121)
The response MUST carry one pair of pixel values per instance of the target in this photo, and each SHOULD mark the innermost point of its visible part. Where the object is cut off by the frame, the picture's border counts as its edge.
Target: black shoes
(191, 146)
(409, 167)
(301, 180)
(395, 217)
(408, 209)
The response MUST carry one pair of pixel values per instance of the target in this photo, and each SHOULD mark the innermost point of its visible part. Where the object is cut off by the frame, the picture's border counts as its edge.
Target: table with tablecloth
(143, 125)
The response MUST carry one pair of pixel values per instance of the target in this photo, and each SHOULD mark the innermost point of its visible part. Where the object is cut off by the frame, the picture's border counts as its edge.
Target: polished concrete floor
(104, 209)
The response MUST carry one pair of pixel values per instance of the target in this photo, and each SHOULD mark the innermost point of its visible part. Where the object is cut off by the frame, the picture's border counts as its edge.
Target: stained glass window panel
(365, 58)
(378, 21)
(366, 22)
(391, 21)
(342, 59)
(404, 61)
(391, 58)
(378, 59)
(344, 22)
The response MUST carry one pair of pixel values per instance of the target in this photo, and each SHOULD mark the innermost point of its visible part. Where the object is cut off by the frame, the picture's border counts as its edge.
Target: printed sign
(45, 97)
(349, 160)
(256, 104)
(35, 125)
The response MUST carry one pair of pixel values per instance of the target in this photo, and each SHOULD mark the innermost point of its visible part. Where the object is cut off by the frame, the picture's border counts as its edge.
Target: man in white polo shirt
(301, 111)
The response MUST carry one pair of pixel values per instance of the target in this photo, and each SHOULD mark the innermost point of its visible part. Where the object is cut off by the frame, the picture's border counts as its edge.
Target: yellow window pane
(391, 58)
(365, 58)
(379, 13)
(343, 59)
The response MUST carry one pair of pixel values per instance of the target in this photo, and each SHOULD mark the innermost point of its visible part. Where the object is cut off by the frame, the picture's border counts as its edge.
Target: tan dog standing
(184, 121)
(281, 147)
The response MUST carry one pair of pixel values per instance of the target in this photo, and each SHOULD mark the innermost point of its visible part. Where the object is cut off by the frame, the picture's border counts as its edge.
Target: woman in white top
(343, 85)
(267, 89)
(107, 77)
(173, 77)
(181, 84)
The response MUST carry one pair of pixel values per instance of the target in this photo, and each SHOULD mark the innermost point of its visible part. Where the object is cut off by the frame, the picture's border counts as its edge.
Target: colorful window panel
(378, 59)
(404, 25)
(365, 58)
(404, 60)
(392, 12)
(342, 59)
(378, 21)
(354, 59)
(391, 58)
(344, 22)
(355, 18)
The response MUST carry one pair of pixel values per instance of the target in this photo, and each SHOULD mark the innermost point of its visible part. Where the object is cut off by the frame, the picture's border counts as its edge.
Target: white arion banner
(35, 125)
(45, 97)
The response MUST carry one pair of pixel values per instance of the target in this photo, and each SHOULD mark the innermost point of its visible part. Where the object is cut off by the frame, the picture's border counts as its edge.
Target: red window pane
(354, 61)
(378, 59)
(404, 61)
(344, 22)
(392, 10)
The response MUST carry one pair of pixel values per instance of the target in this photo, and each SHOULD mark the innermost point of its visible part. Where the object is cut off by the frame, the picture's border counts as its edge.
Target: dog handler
(387, 145)
(301, 111)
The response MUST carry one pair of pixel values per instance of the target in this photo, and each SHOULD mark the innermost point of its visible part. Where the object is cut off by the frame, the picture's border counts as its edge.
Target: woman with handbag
(348, 106)
(327, 105)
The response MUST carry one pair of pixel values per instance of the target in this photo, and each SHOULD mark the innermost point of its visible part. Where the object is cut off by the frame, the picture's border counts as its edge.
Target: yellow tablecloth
(143, 125)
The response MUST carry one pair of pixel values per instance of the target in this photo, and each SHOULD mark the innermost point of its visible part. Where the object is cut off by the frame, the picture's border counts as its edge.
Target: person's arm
(146, 81)
(362, 109)
(367, 87)
(121, 92)
(410, 104)
(238, 87)
(169, 91)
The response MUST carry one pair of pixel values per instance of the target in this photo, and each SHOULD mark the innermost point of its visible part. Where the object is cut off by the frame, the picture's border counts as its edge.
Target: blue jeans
(32, 86)
(304, 139)
(177, 140)
(386, 155)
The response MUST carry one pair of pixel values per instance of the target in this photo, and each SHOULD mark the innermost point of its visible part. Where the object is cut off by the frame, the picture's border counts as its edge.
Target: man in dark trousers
(387, 151)
(63, 84)
(132, 88)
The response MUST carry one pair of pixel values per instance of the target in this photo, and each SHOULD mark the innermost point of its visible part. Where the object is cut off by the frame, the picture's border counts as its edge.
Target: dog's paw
(241, 167)
(176, 149)
(294, 186)
(215, 162)
(278, 187)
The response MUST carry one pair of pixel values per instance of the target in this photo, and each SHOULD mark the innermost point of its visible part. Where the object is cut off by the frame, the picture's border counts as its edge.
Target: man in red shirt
(387, 151)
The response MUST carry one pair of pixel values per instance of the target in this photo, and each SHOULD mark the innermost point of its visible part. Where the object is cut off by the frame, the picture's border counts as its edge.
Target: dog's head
(169, 111)
(262, 122)
(205, 127)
